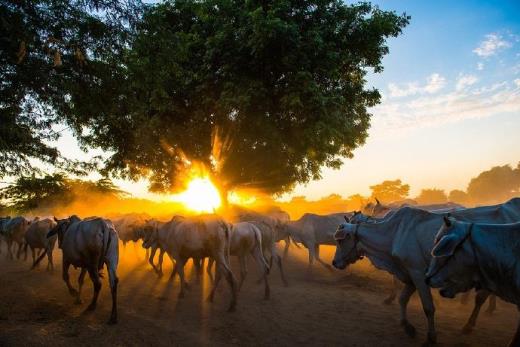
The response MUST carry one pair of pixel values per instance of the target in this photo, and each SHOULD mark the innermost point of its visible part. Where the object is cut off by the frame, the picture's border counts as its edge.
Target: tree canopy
(46, 46)
(390, 191)
(431, 196)
(495, 185)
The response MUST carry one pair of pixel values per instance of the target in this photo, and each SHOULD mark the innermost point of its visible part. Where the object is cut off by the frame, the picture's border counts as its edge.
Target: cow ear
(53, 232)
(340, 234)
(446, 246)
(377, 200)
(56, 219)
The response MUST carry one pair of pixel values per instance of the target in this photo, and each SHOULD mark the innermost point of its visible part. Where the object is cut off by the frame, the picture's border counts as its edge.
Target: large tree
(45, 46)
(495, 185)
(262, 93)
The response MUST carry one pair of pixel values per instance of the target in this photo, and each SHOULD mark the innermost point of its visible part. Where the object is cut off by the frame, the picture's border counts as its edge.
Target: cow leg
(174, 269)
(150, 259)
(94, 276)
(33, 254)
(211, 261)
(286, 247)
(515, 342)
(81, 280)
(393, 292)
(480, 299)
(312, 256)
(147, 254)
(243, 270)
(317, 255)
(66, 278)
(492, 304)
(19, 252)
(9, 249)
(278, 261)
(179, 265)
(406, 293)
(112, 278)
(230, 278)
(49, 258)
(428, 308)
(264, 269)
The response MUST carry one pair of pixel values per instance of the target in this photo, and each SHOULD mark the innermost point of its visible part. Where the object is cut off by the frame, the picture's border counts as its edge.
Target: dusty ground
(338, 308)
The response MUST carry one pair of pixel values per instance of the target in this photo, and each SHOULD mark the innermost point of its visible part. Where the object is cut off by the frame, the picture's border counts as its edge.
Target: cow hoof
(408, 329)
(468, 329)
(90, 308)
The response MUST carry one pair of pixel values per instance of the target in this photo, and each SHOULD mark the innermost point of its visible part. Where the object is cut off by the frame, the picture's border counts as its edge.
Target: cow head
(452, 267)
(358, 217)
(346, 245)
(61, 227)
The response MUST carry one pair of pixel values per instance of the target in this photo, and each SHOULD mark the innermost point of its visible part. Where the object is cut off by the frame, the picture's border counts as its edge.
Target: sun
(201, 195)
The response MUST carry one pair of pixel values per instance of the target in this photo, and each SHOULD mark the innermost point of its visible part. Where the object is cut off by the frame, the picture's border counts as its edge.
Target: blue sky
(451, 102)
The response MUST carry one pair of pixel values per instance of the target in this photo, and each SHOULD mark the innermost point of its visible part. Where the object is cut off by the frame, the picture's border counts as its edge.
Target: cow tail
(106, 245)
(258, 238)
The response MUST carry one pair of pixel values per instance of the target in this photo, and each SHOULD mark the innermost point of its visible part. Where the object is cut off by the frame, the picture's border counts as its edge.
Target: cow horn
(346, 219)
(56, 219)
(377, 200)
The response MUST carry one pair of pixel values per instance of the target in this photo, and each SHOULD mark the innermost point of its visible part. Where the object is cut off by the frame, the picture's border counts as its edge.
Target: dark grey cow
(474, 255)
(401, 245)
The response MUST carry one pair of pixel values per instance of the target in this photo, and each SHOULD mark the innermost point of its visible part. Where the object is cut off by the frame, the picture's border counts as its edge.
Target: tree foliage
(32, 192)
(431, 196)
(46, 47)
(264, 94)
(497, 184)
(389, 191)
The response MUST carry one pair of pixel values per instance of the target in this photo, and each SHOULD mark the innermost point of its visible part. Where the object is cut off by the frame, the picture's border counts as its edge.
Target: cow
(401, 245)
(246, 239)
(272, 231)
(470, 255)
(200, 237)
(155, 236)
(36, 238)
(14, 232)
(313, 230)
(89, 244)
(3, 224)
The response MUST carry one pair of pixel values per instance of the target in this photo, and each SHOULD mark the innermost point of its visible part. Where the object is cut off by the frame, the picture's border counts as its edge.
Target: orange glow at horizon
(201, 195)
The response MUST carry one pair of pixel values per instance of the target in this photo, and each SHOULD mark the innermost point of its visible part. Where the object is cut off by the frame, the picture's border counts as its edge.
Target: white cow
(89, 244)
(14, 232)
(200, 237)
(36, 239)
(473, 255)
(246, 239)
(313, 230)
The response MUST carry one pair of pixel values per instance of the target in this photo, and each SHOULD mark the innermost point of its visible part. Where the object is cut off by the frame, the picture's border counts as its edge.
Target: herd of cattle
(447, 246)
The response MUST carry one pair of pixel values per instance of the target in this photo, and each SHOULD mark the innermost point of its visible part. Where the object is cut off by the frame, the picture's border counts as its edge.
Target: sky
(450, 102)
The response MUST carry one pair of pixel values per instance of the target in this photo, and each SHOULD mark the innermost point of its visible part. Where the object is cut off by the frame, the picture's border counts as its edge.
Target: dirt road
(321, 309)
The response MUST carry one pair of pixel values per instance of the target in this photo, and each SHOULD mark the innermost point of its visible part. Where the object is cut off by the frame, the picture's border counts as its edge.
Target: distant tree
(32, 192)
(431, 196)
(496, 185)
(389, 191)
(459, 197)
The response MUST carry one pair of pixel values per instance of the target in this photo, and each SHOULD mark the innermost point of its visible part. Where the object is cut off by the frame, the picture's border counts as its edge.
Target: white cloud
(491, 45)
(469, 102)
(480, 66)
(465, 81)
(434, 83)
